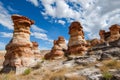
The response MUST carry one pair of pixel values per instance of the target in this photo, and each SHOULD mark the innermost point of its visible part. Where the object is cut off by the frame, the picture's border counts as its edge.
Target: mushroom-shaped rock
(77, 43)
(19, 50)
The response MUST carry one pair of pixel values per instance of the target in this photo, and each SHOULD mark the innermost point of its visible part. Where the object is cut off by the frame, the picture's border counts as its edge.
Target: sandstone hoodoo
(114, 32)
(77, 43)
(35, 49)
(112, 35)
(19, 49)
(58, 49)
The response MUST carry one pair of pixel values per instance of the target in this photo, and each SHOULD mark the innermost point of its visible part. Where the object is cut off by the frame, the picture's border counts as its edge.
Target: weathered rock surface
(36, 50)
(58, 49)
(114, 32)
(95, 42)
(19, 49)
(104, 51)
(77, 43)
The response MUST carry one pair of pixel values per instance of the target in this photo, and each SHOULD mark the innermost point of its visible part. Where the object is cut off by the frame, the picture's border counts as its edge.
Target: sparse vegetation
(113, 64)
(10, 76)
(107, 75)
(110, 64)
(27, 71)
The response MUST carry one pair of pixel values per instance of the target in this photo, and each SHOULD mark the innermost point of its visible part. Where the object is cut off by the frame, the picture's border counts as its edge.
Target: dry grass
(58, 74)
(64, 78)
(110, 64)
(10, 76)
(41, 75)
(77, 78)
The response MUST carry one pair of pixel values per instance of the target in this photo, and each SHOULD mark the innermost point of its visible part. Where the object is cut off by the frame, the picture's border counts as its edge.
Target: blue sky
(53, 17)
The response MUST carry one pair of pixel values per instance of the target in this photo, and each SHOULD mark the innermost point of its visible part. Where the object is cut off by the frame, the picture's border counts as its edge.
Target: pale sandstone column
(19, 49)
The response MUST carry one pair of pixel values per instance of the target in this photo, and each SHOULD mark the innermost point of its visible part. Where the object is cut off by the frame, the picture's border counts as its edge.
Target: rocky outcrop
(95, 42)
(77, 43)
(112, 35)
(19, 49)
(104, 51)
(114, 32)
(58, 49)
(109, 36)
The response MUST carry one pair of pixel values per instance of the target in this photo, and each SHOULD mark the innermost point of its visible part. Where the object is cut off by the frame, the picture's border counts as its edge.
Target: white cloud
(39, 33)
(44, 48)
(41, 36)
(61, 22)
(5, 17)
(2, 46)
(61, 10)
(34, 2)
(11, 9)
(37, 29)
(6, 34)
(93, 14)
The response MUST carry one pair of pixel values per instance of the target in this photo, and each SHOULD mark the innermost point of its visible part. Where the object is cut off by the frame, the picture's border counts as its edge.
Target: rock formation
(95, 42)
(114, 32)
(112, 35)
(19, 50)
(103, 52)
(77, 43)
(58, 49)
(35, 49)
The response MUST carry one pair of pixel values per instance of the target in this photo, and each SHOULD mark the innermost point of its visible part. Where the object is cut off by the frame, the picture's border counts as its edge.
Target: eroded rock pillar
(77, 43)
(19, 49)
(58, 49)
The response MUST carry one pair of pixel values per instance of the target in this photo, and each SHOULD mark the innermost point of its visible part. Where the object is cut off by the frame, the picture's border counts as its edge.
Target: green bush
(27, 71)
(107, 75)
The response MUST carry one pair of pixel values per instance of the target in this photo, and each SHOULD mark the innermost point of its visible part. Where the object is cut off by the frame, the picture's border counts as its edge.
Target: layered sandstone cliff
(58, 49)
(77, 43)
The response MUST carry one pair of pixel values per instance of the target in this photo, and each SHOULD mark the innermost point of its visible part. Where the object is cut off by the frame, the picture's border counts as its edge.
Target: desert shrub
(107, 75)
(27, 71)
